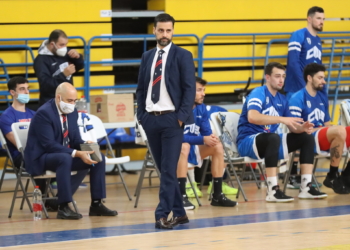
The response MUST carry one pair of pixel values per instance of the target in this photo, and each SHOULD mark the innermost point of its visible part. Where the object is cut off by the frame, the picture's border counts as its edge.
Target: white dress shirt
(61, 119)
(164, 102)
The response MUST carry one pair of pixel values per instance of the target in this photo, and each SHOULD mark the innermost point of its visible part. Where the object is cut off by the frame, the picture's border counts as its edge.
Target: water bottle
(81, 105)
(37, 203)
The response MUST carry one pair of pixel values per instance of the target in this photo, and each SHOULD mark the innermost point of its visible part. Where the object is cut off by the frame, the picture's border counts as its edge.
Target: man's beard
(164, 43)
(317, 29)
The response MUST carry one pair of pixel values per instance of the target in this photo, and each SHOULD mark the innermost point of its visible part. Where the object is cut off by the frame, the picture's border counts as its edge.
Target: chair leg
(286, 176)
(26, 191)
(262, 172)
(150, 178)
(194, 191)
(256, 180)
(14, 196)
(138, 190)
(204, 173)
(75, 206)
(139, 182)
(313, 174)
(123, 181)
(3, 173)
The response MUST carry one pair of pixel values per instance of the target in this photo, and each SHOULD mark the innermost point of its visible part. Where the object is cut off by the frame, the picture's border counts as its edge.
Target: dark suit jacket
(179, 79)
(45, 136)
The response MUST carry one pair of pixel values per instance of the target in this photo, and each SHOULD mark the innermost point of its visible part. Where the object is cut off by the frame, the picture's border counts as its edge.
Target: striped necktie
(157, 77)
(65, 131)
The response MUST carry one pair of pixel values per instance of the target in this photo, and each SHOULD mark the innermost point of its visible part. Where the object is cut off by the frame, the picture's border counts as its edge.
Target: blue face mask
(23, 98)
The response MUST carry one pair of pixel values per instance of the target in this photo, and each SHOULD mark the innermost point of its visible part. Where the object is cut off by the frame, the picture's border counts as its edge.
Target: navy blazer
(45, 136)
(180, 82)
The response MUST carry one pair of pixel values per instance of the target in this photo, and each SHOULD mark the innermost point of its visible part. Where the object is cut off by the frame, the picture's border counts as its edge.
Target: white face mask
(61, 51)
(66, 108)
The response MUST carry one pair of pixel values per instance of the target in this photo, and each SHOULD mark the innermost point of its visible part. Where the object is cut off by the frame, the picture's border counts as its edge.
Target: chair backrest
(344, 118)
(20, 132)
(2, 140)
(212, 109)
(225, 124)
(100, 130)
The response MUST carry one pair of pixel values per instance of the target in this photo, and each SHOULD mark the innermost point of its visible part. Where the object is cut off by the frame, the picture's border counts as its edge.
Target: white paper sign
(106, 13)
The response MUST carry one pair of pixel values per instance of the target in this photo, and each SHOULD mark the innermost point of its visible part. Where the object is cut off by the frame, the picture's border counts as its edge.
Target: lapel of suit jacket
(57, 118)
(149, 66)
(169, 61)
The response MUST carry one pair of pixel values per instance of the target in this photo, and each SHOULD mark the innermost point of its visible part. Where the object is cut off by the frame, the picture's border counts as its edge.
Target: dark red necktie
(157, 77)
(65, 131)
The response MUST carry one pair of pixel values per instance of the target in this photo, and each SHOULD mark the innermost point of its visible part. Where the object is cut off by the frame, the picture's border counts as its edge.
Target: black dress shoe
(179, 220)
(101, 210)
(162, 223)
(68, 214)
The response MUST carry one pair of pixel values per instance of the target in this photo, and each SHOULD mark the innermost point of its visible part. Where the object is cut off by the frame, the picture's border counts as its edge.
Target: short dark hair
(313, 10)
(201, 81)
(312, 69)
(163, 18)
(269, 67)
(56, 34)
(14, 81)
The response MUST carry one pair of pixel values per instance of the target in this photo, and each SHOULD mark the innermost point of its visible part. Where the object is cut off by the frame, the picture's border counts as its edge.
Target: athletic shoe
(294, 182)
(189, 190)
(187, 204)
(222, 201)
(337, 184)
(346, 179)
(276, 195)
(226, 189)
(309, 192)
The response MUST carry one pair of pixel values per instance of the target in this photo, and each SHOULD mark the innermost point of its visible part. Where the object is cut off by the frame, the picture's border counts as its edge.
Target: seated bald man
(54, 144)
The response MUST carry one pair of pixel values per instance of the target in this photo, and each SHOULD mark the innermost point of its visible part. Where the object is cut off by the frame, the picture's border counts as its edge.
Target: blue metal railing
(331, 52)
(144, 38)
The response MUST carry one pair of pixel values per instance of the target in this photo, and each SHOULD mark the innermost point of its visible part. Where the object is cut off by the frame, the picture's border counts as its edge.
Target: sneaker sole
(190, 208)
(65, 218)
(313, 197)
(280, 201)
(218, 205)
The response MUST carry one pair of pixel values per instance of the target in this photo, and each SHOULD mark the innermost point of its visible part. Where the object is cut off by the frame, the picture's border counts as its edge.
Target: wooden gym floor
(302, 224)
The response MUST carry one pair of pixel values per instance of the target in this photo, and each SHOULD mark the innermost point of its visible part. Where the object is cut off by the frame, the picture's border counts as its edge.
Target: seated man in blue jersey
(311, 104)
(198, 143)
(263, 111)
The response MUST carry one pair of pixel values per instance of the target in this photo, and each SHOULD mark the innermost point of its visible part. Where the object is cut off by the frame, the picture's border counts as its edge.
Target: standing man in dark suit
(165, 94)
(54, 144)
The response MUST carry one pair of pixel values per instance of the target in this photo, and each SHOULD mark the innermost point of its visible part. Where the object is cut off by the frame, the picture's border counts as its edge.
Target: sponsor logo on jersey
(279, 104)
(308, 104)
(316, 115)
(314, 52)
(267, 100)
(193, 129)
(321, 104)
(270, 111)
(308, 40)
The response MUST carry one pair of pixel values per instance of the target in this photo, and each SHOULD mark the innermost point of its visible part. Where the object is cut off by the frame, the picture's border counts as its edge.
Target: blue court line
(70, 235)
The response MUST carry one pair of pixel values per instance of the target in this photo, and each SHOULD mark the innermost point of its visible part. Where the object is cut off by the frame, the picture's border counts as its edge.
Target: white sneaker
(309, 192)
(276, 195)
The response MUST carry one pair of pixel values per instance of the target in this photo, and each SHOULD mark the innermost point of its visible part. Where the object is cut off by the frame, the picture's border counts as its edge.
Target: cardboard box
(113, 107)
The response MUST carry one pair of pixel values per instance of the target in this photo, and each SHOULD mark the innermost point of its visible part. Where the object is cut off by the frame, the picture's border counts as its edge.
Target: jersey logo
(270, 111)
(279, 104)
(314, 52)
(308, 40)
(316, 115)
(308, 104)
(267, 100)
(193, 129)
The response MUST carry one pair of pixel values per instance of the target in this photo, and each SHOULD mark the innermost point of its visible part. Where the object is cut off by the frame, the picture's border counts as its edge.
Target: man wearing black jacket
(55, 64)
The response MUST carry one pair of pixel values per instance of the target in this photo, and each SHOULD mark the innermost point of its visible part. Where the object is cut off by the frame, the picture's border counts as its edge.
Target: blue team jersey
(264, 102)
(303, 49)
(10, 116)
(312, 109)
(193, 133)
